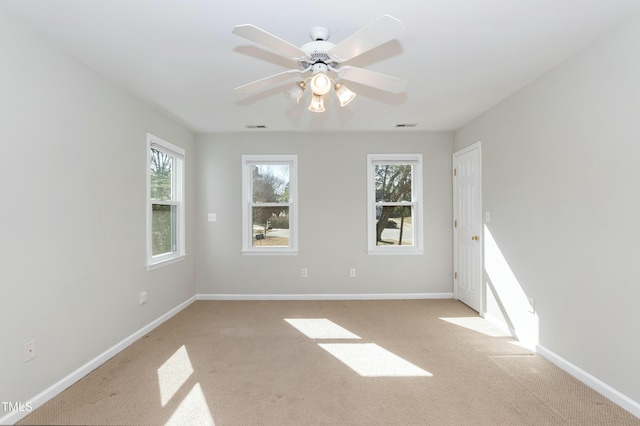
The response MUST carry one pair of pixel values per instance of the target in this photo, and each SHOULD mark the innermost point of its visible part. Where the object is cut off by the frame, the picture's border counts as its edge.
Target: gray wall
(72, 258)
(332, 221)
(561, 181)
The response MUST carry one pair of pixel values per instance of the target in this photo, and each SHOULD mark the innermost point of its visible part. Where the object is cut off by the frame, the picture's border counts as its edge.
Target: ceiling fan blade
(373, 79)
(277, 45)
(373, 35)
(268, 81)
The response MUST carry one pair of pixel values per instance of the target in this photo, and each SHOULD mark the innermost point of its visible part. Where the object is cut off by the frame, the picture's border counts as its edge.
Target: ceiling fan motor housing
(319, 33)
(318, 53)
(319, 67)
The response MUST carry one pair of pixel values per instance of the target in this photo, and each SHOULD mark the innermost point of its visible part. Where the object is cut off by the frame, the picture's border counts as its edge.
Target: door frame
(475, 146)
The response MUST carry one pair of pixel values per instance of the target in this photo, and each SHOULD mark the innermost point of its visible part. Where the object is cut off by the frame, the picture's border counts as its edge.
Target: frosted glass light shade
(317, 103)
(344, 95)
(320, 84)
(296, 92)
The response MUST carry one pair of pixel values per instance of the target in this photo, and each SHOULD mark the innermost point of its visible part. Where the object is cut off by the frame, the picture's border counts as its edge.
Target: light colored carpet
(413, 362)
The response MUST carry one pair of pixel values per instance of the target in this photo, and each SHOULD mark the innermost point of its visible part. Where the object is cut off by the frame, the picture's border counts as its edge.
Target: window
(165, 206)
(269, 209)
(394, 191)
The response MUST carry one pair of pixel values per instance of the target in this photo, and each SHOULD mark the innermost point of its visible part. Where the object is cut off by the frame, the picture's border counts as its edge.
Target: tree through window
(270, 205)
(163, 211)
(165, 214)
(269, 212)
(395, 202)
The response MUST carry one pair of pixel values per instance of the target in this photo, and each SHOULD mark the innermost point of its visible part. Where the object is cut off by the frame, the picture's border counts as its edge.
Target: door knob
(475, 238)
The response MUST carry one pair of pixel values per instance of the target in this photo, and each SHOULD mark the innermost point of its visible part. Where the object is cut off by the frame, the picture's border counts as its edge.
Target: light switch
(212, 217)
(487, 216)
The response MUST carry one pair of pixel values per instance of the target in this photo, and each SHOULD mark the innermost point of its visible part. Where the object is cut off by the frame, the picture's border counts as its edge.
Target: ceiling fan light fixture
(317, 103)
(344, 95)
(324, 61)
(296, 92)
(320, 84)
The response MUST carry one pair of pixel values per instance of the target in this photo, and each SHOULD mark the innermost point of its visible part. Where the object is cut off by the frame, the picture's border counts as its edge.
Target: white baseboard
(357, 296)
(61, 385)
(594, 383)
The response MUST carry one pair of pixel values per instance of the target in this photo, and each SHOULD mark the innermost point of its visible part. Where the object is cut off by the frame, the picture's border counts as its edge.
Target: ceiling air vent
(406, 125)
(256, 126)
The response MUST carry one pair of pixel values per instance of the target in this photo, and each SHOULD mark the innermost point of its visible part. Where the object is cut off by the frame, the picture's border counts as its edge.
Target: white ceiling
(460, 56)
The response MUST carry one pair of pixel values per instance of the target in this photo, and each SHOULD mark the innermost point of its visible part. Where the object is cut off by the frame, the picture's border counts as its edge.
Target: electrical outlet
(212, 217)
(304, 273)
(143, 297)
(29, 351)
(352, 272)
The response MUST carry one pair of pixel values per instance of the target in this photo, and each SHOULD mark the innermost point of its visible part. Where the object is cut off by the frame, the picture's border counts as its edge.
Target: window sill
(396, 252)
(165, 262)
(269, 252)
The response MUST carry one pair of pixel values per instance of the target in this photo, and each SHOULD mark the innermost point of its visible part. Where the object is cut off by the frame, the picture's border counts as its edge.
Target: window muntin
(395, 203)
(165, 206)
(269, 210)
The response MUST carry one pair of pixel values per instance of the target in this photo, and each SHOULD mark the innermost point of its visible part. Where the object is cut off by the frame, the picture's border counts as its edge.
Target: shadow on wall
(506, 300)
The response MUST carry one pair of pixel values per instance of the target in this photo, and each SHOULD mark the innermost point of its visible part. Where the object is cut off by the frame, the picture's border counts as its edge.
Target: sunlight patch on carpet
(525, 345)
(193, 410)
(371, 360)
(320, 328)
(477, 324)
(173, 374)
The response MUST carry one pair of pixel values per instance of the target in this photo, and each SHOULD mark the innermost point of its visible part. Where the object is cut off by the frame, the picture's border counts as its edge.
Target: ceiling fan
(320, 62)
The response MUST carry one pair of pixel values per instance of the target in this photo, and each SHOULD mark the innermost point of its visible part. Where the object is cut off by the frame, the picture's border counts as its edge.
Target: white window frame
(177, 199)
(416, 202)
(248, 161)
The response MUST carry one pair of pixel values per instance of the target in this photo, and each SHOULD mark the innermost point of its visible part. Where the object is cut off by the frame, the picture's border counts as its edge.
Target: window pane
(270, 183)
(163, 229)
(270, 226)
(393, 182)
(394, 226)
(161, 167)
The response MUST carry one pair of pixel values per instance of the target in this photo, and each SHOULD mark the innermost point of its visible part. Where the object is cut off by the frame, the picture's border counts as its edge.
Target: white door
(467, 226)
